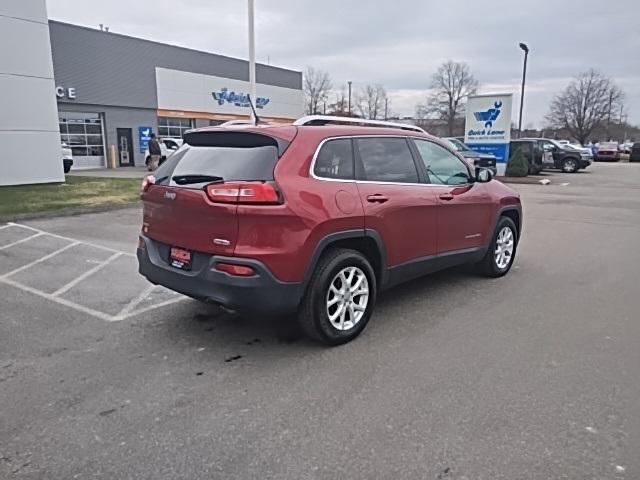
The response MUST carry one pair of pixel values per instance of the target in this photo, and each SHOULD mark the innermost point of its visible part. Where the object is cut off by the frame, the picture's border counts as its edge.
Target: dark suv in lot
(317, 219)
(556, 155)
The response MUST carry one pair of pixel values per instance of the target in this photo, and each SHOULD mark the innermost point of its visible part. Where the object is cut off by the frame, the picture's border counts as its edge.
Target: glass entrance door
(125, 147)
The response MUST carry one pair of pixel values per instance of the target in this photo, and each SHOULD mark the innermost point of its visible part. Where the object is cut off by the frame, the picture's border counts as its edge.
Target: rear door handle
(377, 198)
(446, 196)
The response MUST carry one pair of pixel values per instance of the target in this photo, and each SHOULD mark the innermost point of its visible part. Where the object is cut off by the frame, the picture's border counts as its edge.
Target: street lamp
(252, 56)
(349, 82)
(525, 48)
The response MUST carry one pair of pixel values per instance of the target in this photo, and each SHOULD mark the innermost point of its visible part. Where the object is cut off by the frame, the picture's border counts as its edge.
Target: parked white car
(67, 158)
(168, 147)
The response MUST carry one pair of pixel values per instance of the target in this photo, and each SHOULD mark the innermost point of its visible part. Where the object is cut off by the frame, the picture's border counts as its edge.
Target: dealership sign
(221, 97)
(488, 126)
(62, 92)
(238, 99)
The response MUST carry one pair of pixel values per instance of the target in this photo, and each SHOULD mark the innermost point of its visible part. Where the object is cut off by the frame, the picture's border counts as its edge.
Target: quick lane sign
(488, 126)
(144, 135)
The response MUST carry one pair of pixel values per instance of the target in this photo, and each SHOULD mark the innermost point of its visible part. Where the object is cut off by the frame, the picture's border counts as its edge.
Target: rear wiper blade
(187, 179)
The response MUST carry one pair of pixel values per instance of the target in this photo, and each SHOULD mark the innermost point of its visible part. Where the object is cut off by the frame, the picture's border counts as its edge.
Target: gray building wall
(119, 117)
(115, 75)
(107, 68)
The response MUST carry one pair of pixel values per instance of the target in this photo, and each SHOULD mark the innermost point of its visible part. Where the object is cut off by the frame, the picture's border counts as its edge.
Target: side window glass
(335, 160)
(387, 160)
(442, 166)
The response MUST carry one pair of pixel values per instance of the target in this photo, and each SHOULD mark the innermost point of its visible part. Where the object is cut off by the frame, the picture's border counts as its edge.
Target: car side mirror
(483, 175)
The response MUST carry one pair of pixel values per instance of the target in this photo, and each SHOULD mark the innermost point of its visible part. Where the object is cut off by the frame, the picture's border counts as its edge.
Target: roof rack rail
(326, 119)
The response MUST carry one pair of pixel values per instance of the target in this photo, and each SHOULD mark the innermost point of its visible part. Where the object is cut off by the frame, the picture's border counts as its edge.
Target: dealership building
(112, 90)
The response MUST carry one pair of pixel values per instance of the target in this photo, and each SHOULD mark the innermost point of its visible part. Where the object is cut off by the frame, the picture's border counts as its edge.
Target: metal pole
(386, 107)
(349, 82)
(621, 108)
(252, 55)
(524, 76)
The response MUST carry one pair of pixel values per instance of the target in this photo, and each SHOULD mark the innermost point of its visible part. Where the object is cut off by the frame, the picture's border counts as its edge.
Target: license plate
(180, 258)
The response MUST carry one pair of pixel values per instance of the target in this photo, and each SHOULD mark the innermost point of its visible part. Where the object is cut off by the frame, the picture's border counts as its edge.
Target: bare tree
(450, 86)
(370, 101)
(587, 103)
(316, 88)
(340, 107)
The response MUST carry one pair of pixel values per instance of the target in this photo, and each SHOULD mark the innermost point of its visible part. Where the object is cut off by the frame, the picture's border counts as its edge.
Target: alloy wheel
(504, 248)
(570, 166)
(347, 298)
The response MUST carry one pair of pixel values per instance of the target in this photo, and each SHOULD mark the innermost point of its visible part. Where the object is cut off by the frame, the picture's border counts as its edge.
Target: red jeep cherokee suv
(317, 219)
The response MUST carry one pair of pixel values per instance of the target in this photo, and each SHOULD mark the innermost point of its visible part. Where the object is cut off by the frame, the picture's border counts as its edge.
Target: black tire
(570, 165)
(488, 265)
(312, 314)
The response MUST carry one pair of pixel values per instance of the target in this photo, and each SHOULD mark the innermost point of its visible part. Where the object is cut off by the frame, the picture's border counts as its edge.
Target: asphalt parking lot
(532, 376)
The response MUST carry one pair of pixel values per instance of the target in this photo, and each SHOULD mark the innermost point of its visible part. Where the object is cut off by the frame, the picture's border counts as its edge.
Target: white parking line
(127, 312)
(88, 273)
(61, 301)
(134, 303)
(95, 245)
(152, 307)
(35, 262)
(8, 245)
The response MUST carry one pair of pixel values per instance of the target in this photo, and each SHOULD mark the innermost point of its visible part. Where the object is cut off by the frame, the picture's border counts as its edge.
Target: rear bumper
(261, 293)
(610, 157)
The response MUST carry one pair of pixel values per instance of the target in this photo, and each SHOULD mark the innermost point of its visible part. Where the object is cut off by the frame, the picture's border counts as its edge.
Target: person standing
(154, 152)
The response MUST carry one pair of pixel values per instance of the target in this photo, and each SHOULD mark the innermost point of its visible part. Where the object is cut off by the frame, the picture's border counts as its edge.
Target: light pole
(349, 82)
(252, 57)
(524, 47)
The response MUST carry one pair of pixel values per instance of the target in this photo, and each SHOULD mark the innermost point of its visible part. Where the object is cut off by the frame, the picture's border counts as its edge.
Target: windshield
(556, 143)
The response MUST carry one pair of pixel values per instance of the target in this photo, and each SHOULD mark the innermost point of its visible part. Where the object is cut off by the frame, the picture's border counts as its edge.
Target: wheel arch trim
(326, 241)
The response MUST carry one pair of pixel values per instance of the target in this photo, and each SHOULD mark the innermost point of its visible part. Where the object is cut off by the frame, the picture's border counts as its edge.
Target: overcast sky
(400, 43)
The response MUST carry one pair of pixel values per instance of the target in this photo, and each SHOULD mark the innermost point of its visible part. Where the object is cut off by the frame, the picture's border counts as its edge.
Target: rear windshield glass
(223, 161)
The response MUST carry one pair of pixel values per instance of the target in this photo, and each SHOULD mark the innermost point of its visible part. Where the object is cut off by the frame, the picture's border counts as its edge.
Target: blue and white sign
(224, 98)
(144, 135)
(488, 126)
(238, 99)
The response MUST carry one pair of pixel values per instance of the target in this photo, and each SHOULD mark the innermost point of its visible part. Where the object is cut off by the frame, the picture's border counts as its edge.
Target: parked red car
(608, 152)
(318, 219)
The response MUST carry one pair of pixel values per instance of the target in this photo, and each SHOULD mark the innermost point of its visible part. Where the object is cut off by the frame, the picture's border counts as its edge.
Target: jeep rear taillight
(261, 193)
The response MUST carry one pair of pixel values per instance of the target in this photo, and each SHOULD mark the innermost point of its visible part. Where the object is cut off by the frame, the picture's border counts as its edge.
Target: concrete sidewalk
(122, 172)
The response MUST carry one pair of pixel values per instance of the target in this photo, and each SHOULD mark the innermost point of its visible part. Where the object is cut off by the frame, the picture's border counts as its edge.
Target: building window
(173, 127)
(83, 133)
